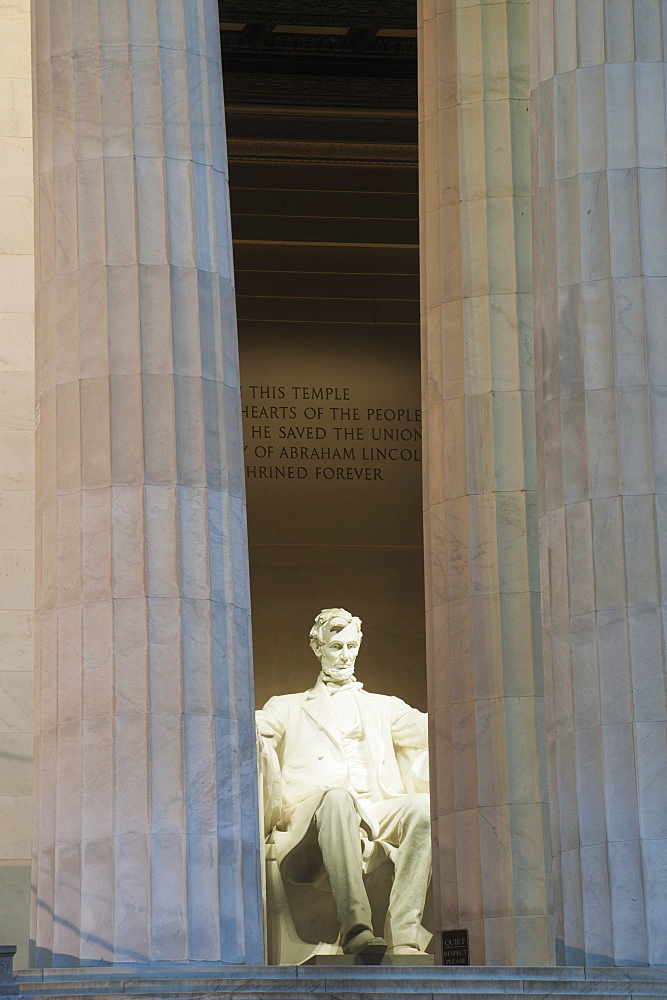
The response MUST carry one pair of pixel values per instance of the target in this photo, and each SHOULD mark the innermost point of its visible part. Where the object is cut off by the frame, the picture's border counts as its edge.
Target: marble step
(343, 982)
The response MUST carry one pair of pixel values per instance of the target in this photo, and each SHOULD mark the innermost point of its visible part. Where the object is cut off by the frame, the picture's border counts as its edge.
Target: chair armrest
(270, 787)
(420, 771)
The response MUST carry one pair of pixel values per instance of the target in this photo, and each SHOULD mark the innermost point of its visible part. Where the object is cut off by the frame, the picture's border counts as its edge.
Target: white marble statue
(344, 770)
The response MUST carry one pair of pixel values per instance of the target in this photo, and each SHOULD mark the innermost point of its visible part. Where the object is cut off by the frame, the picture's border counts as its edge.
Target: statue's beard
(342, 673)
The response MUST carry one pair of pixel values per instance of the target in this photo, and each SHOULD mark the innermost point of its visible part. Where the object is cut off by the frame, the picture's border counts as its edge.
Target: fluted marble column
(146, 841)
(600, 183)
(480, 529)
(17, 477)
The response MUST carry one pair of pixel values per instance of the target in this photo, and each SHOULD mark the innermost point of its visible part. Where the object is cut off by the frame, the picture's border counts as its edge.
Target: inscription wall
(354, 458)
(327, 434)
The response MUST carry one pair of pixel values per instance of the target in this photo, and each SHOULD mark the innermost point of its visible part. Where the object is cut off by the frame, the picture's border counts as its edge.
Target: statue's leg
(405, 823)
(337, 822)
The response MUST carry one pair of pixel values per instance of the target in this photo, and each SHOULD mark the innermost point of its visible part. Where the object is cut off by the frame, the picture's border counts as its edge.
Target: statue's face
(339, 653)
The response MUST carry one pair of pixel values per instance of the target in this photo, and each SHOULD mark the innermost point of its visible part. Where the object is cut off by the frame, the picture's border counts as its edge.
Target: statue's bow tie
(352, 685)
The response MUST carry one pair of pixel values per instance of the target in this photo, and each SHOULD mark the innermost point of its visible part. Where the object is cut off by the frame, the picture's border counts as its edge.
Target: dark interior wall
(326, 264)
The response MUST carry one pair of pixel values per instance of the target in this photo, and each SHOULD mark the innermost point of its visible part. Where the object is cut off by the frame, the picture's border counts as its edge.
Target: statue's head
(335, 639)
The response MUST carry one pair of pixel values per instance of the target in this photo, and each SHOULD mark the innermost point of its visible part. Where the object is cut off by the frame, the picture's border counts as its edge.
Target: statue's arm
(409, 728)
(269, 722)
(270, 733)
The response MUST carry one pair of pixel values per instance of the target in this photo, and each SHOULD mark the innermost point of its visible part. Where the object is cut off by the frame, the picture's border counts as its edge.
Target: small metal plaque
(455, 948)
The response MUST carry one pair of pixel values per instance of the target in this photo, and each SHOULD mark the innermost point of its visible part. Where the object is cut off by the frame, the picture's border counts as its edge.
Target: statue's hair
(324, 620)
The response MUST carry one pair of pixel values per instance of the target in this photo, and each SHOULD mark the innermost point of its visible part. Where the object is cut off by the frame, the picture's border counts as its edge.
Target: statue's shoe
(370, 948)
(406, 949)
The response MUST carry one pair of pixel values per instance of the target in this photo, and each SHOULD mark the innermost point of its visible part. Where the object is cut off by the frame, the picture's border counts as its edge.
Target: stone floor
(347, 982)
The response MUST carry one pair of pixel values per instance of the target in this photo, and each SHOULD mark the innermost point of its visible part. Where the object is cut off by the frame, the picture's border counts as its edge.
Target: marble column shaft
(146, 840)
(17, 472)
(600, 239)
(480, 530)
